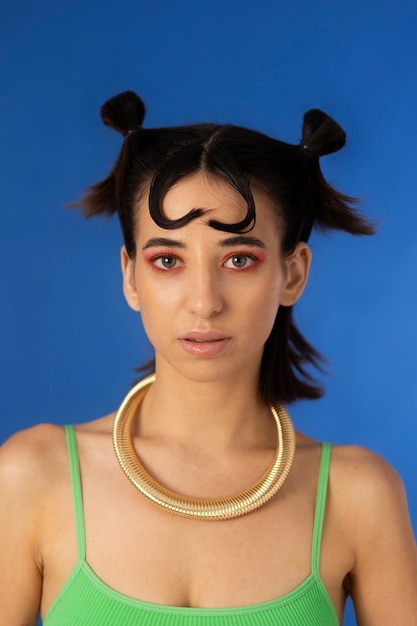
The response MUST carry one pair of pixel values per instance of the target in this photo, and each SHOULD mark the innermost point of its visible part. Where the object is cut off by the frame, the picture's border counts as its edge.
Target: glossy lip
(204, 344)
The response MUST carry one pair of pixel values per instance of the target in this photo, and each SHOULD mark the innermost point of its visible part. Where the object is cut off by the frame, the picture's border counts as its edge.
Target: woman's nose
(204, 293)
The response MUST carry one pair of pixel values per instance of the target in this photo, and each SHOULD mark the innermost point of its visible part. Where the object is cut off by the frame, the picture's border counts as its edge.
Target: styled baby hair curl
(151, 161)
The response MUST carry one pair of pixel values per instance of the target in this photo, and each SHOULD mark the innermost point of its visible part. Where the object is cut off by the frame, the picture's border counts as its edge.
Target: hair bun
(321, 134)
(124, 112)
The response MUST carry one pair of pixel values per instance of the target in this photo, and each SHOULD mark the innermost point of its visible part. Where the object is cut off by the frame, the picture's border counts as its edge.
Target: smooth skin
(215, 439)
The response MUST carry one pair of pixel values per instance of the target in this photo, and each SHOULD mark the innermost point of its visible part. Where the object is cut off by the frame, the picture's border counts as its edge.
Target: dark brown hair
(152, 160)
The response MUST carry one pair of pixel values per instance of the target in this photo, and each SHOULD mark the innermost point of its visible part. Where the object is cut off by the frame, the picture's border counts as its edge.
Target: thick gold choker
(201, 508)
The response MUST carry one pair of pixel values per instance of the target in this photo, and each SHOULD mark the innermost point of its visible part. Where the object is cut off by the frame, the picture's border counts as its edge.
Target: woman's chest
(157, 557)
(149, 554)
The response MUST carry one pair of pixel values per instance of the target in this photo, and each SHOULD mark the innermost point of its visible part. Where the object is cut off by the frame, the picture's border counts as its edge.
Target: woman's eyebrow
(163, 241)
(237, 240)
(245, 240)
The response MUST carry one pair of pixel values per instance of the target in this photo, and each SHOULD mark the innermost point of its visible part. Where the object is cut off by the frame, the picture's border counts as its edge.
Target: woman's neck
(216, 414)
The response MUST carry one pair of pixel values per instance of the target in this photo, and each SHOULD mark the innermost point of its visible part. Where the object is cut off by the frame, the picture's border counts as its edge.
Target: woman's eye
(167, 262)
(239, 261)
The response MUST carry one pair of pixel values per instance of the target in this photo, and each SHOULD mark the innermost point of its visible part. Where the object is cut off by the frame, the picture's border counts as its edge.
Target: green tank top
(85, 600)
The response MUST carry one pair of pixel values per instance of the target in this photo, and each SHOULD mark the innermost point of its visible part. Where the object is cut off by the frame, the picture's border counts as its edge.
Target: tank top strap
(76, 490)
(320, 507)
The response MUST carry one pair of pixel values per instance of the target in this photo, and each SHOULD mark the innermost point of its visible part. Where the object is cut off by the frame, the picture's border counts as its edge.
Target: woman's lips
(204, 344)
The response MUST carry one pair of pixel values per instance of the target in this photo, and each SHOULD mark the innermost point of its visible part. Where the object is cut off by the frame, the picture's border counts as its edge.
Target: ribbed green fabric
(85, 600)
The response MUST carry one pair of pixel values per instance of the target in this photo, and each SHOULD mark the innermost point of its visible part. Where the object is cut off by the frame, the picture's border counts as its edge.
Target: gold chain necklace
(200, 508)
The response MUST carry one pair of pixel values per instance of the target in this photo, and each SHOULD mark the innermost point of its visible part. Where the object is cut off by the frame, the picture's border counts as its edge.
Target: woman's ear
(297, 267)
(129, 284)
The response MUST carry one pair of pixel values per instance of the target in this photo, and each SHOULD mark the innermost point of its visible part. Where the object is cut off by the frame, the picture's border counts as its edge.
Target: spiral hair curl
(151, 161)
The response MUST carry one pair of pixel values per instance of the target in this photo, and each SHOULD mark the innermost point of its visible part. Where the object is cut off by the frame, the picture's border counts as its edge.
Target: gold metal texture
(201, 508)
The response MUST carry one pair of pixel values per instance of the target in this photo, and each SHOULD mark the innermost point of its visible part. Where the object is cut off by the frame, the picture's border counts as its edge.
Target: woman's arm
(22, 483)
(383, 582)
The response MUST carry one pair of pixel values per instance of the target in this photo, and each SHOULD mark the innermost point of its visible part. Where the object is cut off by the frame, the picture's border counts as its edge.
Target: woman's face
(208, 298)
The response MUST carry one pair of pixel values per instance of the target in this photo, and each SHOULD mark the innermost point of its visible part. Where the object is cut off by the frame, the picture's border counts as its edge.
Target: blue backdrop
(68, 342)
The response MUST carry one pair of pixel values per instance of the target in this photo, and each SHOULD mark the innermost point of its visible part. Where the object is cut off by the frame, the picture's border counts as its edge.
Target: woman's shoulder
(35, 454)
(30, 456)
(367, 491)
(362, 484)
(363, 471)
(369, 504)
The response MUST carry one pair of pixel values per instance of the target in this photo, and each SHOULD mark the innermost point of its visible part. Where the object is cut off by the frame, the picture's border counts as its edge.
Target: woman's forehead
(216, 198)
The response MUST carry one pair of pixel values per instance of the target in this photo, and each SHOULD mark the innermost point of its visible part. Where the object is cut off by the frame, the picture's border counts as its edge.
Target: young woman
(197, 503)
